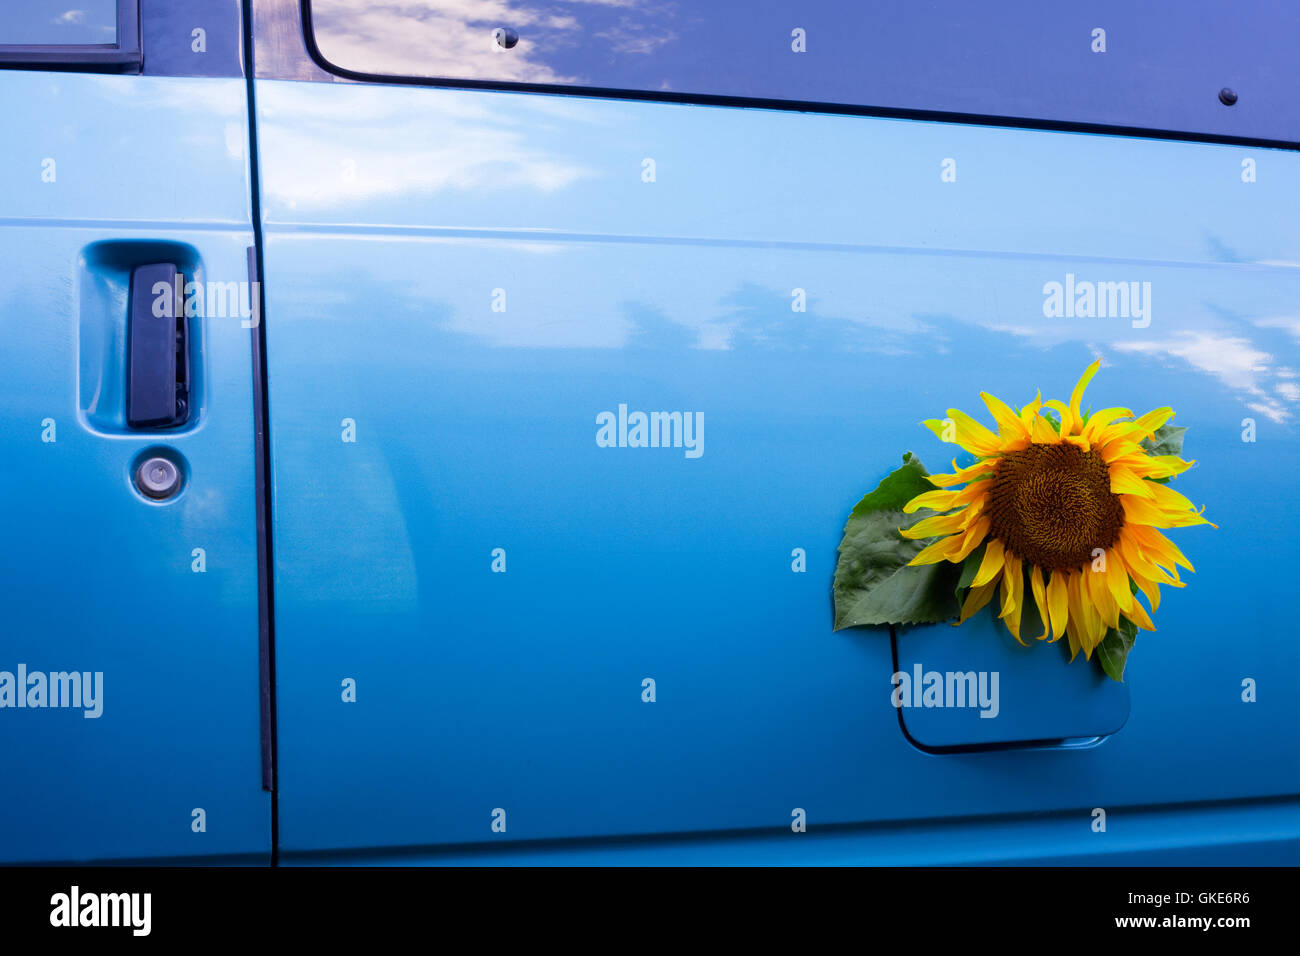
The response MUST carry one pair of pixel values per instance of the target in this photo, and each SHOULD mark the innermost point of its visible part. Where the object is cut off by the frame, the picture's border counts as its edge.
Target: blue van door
(505, 615)
(130, 689)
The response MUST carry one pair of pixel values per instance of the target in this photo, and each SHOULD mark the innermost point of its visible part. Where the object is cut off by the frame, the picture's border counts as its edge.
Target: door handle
(158, 376)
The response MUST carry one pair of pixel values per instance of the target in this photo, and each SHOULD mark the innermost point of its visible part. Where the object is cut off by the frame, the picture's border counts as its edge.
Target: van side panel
(462, 286)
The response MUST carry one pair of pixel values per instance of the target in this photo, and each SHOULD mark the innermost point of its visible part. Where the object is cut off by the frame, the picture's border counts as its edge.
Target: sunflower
(1065, 510)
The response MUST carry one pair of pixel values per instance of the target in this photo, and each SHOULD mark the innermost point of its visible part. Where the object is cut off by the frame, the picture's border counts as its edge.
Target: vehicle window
(59, 23)
(723, 47)
(1159, 65)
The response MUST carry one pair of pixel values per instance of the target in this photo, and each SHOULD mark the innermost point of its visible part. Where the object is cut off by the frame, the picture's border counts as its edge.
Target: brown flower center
(1051, 505)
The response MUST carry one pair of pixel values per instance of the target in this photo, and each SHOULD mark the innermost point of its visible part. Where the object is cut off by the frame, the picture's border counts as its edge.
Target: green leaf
(900, 487)
(875, 585)
(873, 582)
(1167, 440)
(1052, 418)
(1112, 652)
(970, 567)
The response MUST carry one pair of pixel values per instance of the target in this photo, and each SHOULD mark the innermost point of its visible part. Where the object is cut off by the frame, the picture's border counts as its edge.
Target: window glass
(58, 22)
(728, 47)
(1154, 65)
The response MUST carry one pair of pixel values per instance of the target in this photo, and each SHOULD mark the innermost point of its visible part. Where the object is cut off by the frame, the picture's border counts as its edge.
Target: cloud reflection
(453, 38)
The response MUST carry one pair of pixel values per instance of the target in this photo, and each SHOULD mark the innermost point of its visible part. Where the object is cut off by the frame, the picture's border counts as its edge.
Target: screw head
(1227, 97)
(158, 478)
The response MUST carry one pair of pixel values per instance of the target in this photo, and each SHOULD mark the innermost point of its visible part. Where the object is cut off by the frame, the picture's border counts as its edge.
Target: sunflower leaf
(969, 568)
(1167, 440)
(1113, 651)
(874, 583)
(898, 488)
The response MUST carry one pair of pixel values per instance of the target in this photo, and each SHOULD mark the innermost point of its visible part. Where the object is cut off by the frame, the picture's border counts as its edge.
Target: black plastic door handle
(158, 370)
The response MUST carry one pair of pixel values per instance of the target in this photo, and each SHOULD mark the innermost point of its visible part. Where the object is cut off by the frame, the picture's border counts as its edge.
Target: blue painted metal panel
(1235, 834)
(96, 577)
(999, 691)
(393, 216)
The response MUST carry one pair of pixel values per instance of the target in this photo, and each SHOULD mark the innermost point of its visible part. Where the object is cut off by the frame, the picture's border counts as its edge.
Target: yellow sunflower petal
(1009, 426)
(941, 550)
(1124, 482)
(1097, 593)
(1146, 425)
(1008, 589)
(1013, 584)
(1142, 511)
(1146, 466)
(1147, 586)
(1131, 433)
(1072, 582)
(1040, 600)
(1030, 411)
(1170, 500)
(1100, 419)
(1139, 562)
(976, 598)
(960, 476)
(972, 537)
(1068, 421)
(990, 565)
(1119, 438)
(973, 436)
(1096, 618)
(1156, 545)
(1138, 615)
(940, 500)
(1073, 630)
(1058, 605)
(1117, 580)
(1042, 431)
(945, 499)
(941, 524)
(1076, 397)
(938, 426)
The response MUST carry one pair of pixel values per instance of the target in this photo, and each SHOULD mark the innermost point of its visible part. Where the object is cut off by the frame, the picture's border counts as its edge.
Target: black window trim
(123, 56)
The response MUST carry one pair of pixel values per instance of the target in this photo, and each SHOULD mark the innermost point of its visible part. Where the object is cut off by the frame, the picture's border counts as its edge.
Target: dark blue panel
(1157, 66)
(192, 37)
